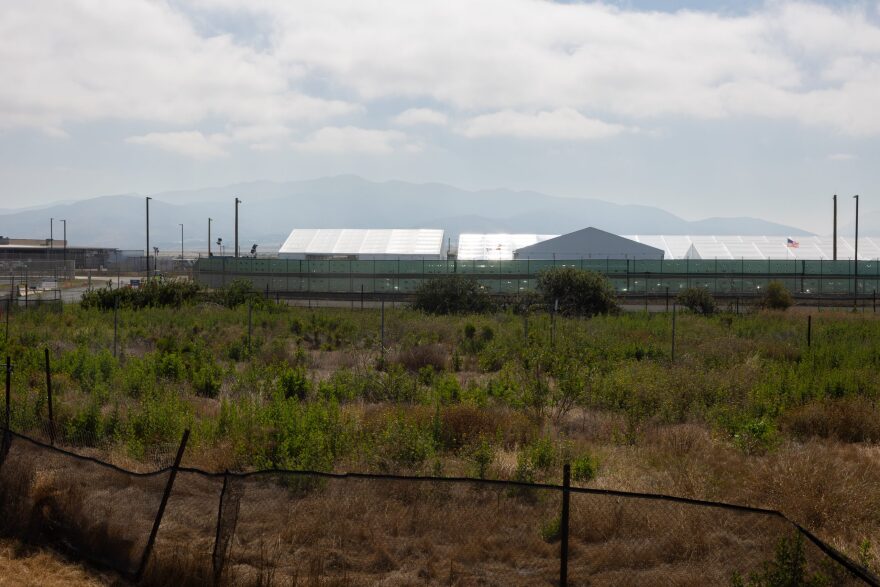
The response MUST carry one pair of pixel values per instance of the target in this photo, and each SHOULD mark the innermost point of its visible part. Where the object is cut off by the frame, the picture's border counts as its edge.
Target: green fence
(403, 276)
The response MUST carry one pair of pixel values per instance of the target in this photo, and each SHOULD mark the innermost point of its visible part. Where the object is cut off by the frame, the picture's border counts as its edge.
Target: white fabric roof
(354, 241)
(759, 247)
(496, 247)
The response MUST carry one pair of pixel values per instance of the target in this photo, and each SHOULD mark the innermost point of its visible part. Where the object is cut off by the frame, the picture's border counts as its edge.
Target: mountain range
(269, 210)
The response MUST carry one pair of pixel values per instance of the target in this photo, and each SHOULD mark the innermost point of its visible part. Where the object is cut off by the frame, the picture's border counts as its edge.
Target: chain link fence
(191, 527)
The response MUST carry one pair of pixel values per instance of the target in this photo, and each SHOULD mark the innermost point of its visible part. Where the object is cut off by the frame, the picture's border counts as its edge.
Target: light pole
(237, 202)
(51, 233)
(856, 283)
(181, 242)
(64, 222)
(148, 236)
(209, 237)
(155, 260)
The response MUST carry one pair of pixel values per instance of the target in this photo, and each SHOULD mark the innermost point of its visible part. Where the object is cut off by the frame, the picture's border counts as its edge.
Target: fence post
(148, 549)
(7, 437)
(563, 526)
(553, 322)
(382, 332)
(250, 322)
(8, 309)
(217, 562)
(667, 299)
(115, 322)
(49, 396)
(673, 331)
(8, 388)
(809, 331)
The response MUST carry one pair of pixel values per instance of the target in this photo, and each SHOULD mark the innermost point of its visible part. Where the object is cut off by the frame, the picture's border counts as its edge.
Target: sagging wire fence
(185, 526)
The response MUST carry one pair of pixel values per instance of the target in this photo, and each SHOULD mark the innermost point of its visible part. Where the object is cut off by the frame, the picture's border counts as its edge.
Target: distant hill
(270, 210)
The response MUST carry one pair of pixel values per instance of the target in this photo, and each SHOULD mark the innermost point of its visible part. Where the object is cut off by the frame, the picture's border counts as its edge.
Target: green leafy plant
(777, 297)
(452, 294)
(698, 300)
(579, 292)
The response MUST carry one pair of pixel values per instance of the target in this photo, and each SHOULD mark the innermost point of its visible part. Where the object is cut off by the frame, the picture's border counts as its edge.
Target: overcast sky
(724, 108)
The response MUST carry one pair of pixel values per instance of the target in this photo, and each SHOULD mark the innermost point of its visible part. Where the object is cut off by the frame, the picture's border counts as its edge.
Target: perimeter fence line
(35, 513)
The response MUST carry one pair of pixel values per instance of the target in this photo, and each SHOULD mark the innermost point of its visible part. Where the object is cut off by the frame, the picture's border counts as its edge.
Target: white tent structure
(363, 244)
(496, 247)
(811, 248)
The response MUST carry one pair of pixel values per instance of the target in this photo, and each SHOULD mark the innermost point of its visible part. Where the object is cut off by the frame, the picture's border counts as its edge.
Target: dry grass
(317, 531)
(36, 567)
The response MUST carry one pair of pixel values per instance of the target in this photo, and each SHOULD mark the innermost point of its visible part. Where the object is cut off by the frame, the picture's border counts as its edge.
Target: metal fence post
(673, 331)
(49, 397)
(563, 526)
(250, 322)
(115, 323)
(151, 541)
(809, 331)
(8, 388)
(218, 556)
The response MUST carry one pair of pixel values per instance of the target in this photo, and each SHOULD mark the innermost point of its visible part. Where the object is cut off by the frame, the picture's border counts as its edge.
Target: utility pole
(237, 202)
(834, 247)
(148, 236)
(51, 234)
(64, 221)
(209, 237)
(181, 242)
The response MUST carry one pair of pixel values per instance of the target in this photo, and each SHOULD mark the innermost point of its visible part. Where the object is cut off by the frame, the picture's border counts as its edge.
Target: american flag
(791, 243)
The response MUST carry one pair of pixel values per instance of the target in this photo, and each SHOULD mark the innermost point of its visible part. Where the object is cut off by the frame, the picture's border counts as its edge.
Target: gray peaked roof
(589, 243)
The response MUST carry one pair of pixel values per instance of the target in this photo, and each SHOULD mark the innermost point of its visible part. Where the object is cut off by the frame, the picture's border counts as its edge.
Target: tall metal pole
(148, 236)
(64, 221)
(834, 246)
(237, 202)
(51, 234)
(209, 237)
(181, 242)
(856, 265)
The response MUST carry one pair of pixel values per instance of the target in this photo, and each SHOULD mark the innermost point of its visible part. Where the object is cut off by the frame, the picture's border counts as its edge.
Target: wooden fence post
(563, 526)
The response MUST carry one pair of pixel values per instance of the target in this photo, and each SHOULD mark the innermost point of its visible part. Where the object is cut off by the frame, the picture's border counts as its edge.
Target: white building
(363, 244)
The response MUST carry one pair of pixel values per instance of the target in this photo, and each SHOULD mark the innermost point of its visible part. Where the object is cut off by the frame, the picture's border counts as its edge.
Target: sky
(704, 108)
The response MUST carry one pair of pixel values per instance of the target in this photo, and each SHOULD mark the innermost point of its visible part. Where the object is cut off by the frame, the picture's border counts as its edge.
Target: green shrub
(551, 530)
(787, 569)
(579, 292)
(698, 300)
(154, 293)
(452, 294)
(584, 468)
(777, 296)
(294, 383)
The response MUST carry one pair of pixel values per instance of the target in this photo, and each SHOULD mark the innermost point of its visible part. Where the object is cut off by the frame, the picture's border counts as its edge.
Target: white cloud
(841, 157)
(417, 116)
(349, 139)
(311, 62)
(74, 61)
(561, 124)
(187, 143)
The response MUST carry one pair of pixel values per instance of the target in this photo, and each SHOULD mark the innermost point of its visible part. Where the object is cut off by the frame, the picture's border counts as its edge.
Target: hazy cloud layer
(520, 68)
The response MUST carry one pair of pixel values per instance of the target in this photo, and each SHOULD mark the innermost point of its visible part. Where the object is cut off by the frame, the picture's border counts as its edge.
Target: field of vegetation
(746, 413)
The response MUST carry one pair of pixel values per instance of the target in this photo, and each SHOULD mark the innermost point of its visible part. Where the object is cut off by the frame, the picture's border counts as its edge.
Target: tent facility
(363, 244)
(496, 247)
(588, 243)
(812, 248)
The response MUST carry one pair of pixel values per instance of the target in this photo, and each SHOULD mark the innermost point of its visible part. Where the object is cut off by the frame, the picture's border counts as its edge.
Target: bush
(452, 294)
(155, 293)
(584, 468)
(698, 300)
(777, 296)
(579, 292)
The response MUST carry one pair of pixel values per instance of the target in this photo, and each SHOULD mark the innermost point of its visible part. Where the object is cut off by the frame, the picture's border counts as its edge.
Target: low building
(363, 244)
(588, 243)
